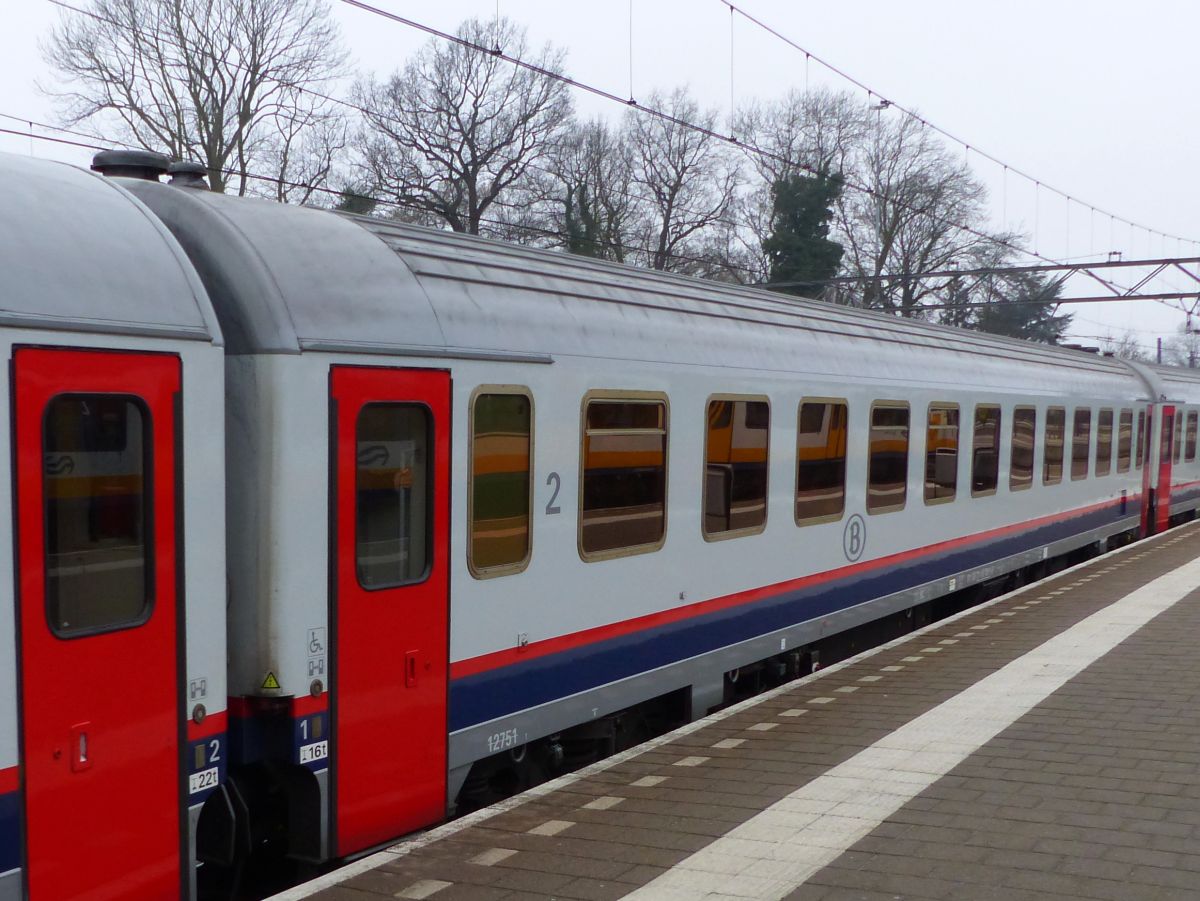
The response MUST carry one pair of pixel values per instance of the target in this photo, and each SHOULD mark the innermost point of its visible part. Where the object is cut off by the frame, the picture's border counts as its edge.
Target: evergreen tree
(801, 254)
(1025, 310)
(581, 226)
(355, 199)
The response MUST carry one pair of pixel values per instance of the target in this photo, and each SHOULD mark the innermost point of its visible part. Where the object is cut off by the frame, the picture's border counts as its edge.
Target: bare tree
(1125, 345)
(1183, 348)
(918, 213)
(454, 133)
(686, 179)
(233, 84)
(594, 203)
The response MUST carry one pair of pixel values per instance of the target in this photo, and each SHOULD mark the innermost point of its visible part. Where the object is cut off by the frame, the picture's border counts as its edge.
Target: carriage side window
(97, 496)
(1020, 473)
(1140, 457)
(941, 453)
(735, 474)
(1178, 436)
(1081, 438)
(887, 479)
(499, 481)
(821, 461)
(985, 450)
(623, 503)
(393, 485)
(1191, 435)
(1052, 459)
(1124, 440)
(1104, 436)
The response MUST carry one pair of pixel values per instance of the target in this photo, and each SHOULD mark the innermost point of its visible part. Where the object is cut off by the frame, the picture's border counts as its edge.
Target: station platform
(1045, 745)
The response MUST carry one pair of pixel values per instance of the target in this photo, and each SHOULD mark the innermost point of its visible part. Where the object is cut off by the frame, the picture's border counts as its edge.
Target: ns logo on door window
(854, 538)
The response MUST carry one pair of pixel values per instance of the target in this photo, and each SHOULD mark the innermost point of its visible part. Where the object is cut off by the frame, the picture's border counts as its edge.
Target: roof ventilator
(143, 164)
(188, 174)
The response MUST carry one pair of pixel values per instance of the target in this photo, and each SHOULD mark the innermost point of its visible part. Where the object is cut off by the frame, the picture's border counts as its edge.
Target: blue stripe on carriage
(10, 831)
(499, 692)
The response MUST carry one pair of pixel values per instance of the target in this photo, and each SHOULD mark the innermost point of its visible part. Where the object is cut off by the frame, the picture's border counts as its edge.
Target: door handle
(81, 752)
(410, 669)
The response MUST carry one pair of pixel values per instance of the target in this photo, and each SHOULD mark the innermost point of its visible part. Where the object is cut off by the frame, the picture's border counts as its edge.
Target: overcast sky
(1096, 98)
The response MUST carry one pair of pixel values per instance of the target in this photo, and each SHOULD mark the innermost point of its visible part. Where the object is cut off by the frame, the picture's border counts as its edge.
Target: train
(324, 527)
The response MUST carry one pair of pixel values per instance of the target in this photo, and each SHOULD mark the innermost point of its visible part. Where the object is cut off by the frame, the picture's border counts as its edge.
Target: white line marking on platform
(605, 802)
(847, 689)
(491, 856)
(729, 742)
(912, 659)
(648, 781)
(890, 669)
(692, 761)
(821, 700)
(776, 856)
(551, 827)
(762, 727)
(869, 678)
(795, 711)
(418, 891)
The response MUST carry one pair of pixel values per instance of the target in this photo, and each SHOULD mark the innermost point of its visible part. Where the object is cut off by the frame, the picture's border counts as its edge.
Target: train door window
(499, 481)
(1020, 473)
(96, 472)
(1052, 459)
(1104, 442)
(1177, 438)
(821, 461)
(1080, 441)
(1124, 440)
(887, 478)
(985, 450)
(735, 473)
(1140, 451)
(393, 491)
(1190, 453)
(941, 453)
(623, 488)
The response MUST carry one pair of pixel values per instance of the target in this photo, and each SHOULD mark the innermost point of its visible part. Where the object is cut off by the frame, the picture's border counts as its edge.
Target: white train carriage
(112, 682)
(483, 498)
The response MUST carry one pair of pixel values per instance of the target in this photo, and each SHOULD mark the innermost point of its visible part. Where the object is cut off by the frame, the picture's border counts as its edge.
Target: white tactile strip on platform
(776, 851)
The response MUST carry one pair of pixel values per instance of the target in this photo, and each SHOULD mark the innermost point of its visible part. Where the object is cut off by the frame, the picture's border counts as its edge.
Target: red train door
(390, 606)
(95, 451)
(1162, 494)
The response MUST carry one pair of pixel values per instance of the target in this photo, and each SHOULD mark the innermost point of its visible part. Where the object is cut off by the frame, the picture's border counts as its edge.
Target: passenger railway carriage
(490, 511)
(112, 632)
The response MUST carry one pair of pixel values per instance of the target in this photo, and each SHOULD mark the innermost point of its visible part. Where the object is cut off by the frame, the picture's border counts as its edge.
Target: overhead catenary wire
(343, 194)
(682, 123)
(364, 111)
(389, 202)
(660, 114)
(948, 135)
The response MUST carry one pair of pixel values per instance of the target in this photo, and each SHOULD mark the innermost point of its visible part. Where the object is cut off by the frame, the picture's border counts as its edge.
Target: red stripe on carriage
(509, 656)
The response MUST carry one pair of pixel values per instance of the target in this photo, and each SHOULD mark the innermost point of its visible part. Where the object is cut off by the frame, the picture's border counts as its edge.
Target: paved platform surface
(1043, 746)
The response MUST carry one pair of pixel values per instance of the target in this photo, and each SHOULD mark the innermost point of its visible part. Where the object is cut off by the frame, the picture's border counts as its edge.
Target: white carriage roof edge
(466, 296)
(79, 254)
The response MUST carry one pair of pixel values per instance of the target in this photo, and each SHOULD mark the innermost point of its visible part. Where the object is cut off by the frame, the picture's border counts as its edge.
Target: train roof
(79, 253)
(289, 279)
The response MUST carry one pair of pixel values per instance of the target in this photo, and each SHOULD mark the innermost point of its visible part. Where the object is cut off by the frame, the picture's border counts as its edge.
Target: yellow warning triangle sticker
(270, 683)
